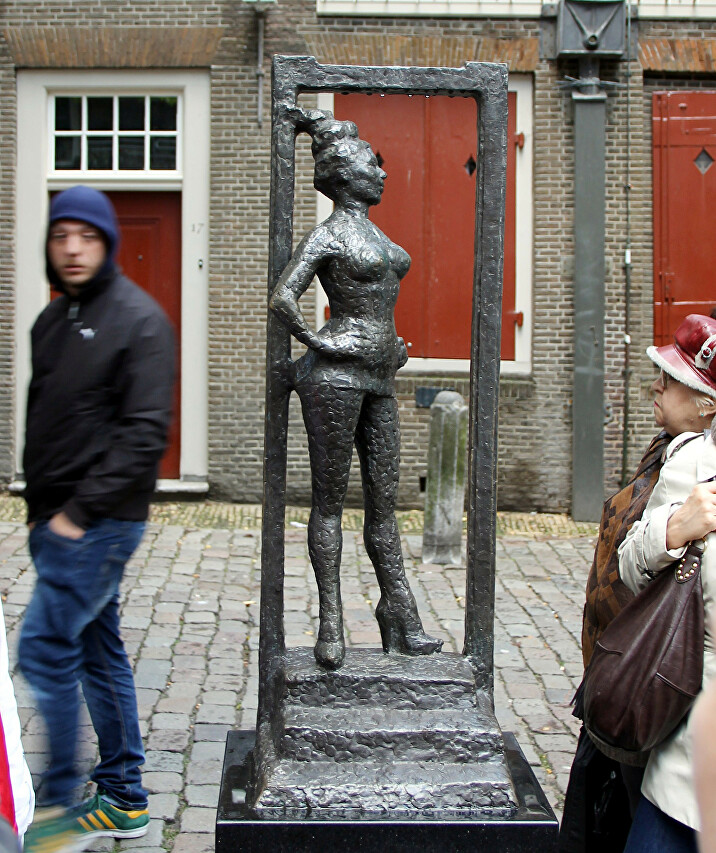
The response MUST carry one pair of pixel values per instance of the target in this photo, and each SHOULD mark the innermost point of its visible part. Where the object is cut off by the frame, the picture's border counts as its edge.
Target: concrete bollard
(445, 486)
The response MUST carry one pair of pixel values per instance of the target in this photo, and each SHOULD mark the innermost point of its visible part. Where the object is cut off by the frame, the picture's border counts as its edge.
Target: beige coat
(668, 781)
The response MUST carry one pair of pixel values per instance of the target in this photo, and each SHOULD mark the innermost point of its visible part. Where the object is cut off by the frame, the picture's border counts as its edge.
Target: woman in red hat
(682, 508)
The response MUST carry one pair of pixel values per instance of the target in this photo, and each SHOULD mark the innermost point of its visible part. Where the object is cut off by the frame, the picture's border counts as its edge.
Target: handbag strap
(683, 443)
(690, 563)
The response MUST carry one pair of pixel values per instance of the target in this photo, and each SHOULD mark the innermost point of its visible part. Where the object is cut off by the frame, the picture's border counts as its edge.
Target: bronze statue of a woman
(346, 383)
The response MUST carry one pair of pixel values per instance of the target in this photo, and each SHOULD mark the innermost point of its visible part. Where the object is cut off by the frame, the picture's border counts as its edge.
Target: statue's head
(337, 150)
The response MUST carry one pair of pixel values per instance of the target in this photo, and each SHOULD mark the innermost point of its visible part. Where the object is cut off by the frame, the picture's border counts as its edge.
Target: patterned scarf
(606, 594)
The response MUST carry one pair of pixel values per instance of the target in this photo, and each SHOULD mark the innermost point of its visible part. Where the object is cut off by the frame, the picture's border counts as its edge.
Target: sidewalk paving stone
(164, 760)
(190, 620)
(202, 795)
(162, 782)
(164, 806)
(192, 842)
(198, 819)
(172, 740)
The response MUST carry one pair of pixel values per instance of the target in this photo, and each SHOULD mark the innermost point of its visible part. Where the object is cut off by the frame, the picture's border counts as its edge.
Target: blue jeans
(70, 635)
(652, 831)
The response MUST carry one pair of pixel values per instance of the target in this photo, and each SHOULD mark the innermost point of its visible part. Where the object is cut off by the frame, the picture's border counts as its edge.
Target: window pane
(163, 152)
(99, 113)
(99, 152)
(68, 113)
(131, 152)
(131, 113)
(163, 114)
(67, 152)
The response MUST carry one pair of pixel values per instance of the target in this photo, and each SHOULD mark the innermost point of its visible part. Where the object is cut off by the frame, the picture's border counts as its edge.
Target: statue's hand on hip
(354, 342)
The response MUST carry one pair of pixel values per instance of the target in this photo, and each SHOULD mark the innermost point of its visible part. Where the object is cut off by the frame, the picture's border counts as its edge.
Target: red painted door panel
(684, 140)
(150, 254)
(428, 147)
(396, 131)
(450, 228)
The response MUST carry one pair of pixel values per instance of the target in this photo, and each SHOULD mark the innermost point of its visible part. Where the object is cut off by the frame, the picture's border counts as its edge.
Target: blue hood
(87, 205)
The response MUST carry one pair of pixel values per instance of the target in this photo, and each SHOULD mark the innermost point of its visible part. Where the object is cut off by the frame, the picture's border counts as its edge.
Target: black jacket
(99, 404)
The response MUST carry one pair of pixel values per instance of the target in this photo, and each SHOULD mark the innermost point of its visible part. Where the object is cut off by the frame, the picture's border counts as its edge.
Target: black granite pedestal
(532, 828)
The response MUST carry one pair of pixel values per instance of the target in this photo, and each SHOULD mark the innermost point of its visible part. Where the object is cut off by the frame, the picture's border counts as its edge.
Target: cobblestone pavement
(190, 622)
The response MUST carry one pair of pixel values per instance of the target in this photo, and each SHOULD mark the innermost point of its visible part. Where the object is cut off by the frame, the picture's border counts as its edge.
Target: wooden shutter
(428, 147)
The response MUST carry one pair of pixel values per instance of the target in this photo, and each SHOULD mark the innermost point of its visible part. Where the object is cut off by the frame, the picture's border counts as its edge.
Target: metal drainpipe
(589, 99)
(627, 264)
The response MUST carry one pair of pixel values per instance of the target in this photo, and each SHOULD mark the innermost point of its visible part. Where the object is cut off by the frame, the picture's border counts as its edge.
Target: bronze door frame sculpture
(487, 84)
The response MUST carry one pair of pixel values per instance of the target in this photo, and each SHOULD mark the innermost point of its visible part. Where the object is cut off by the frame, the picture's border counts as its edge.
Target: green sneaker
(98, 818)
(54, 830)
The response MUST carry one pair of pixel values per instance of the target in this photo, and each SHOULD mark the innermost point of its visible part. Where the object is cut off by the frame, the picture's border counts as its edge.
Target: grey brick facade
(535, 422)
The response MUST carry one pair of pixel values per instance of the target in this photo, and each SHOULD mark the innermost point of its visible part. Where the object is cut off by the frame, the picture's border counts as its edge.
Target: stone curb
(217, 514)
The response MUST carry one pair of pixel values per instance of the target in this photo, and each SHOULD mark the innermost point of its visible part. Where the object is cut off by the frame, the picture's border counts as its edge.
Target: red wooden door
(428, 147)
(449, 227)
(684, 140)
(150, 254)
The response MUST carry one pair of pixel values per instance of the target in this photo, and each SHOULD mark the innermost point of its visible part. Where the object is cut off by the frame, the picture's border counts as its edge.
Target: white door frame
(35, 179)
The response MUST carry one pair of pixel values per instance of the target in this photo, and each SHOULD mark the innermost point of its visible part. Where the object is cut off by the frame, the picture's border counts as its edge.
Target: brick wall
(534, 470)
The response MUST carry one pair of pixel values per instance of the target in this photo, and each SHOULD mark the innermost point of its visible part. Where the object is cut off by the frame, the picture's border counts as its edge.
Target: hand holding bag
(647, 666)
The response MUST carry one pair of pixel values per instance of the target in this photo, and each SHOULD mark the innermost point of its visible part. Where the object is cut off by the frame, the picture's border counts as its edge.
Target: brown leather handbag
(647, 666)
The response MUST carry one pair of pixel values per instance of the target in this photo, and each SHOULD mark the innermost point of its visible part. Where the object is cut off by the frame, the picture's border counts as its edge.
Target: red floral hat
(691, 359)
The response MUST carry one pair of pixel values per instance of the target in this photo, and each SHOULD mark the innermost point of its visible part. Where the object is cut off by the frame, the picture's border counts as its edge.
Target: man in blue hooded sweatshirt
(98, 412)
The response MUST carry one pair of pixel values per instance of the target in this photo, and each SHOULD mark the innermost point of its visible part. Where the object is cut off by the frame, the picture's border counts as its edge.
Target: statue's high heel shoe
(330, 655)
(403, 632)
(330, 649)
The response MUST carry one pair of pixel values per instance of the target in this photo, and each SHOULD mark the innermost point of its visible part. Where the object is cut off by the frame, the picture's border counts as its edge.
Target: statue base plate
(532, 827)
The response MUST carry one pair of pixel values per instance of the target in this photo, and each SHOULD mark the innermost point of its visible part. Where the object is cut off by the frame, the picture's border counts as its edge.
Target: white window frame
(36, 178)
(145, 134)
(522, 364)
(685, 9)
(432, 8)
